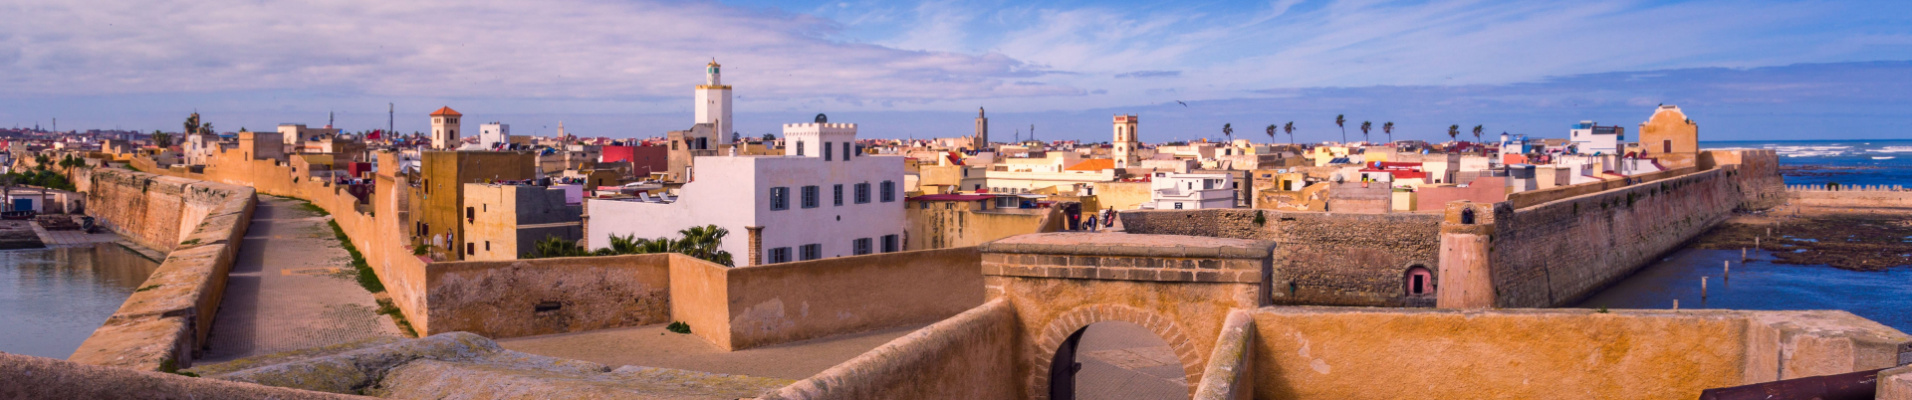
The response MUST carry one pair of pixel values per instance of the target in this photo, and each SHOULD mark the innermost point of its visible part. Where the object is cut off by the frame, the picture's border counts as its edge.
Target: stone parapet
(1230, 373)
(163, 323)
(1154, 258)
(28, 377)
(968, 353)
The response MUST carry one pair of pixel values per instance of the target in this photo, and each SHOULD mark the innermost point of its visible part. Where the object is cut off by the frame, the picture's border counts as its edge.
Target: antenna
(388, 118)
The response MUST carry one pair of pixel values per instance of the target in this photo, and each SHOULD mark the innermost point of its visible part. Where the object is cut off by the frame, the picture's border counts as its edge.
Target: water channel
(1759, 284)
(52, 299)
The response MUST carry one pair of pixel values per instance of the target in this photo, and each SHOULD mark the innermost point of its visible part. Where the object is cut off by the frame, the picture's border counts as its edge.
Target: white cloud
(571, 49)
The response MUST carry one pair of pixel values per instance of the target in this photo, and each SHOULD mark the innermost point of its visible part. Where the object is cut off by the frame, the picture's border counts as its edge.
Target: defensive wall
(733, 308)
(201, 224)
(1895, 196)
(1321, 258)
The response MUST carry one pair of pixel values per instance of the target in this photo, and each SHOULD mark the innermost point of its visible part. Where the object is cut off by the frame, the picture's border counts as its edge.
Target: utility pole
(388, 118)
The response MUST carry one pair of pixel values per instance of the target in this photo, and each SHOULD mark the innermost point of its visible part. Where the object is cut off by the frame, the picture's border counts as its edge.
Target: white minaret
(713, 103)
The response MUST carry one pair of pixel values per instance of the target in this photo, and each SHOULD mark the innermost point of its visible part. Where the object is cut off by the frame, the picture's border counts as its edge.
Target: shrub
(679, 327)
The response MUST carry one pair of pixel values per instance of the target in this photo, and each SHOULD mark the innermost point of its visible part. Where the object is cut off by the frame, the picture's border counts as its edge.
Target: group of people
(1107, 220)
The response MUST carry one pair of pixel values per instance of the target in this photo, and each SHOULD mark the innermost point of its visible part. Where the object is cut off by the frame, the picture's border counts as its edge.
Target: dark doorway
(1116, 360)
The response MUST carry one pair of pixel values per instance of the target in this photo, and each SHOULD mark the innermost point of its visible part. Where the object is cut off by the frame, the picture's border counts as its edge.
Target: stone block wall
(787, 302)
(502, 299)
(1556, 253)
(1320, 258)
(162, 325)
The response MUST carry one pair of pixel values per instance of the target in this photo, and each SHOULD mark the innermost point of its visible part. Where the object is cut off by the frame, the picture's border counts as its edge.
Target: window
(860, 246)
(891, 244)
(846, 151)
(837, 196)
(779, 198)
(487, 245)
(922, 205)
(826, 151)
(862, 193)
(469, 214)
(889, 191)
(471, 249)
(1178, 205)
(811, 252)
(780, 255)
(1668, 144)
(810, 197)
(799, 148)
(1006, 202)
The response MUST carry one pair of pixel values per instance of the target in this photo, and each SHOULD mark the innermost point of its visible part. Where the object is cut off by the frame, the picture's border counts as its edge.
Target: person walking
(1092, 224)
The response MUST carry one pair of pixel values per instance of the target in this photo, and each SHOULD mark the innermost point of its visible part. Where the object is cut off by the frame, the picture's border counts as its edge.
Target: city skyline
(919, 70)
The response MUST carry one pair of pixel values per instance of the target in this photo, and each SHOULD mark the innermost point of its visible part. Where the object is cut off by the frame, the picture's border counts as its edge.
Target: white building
(1172, 191)
(296, 133)
(820, 199)
(1592, 138)
(199, 148)
(490, 135)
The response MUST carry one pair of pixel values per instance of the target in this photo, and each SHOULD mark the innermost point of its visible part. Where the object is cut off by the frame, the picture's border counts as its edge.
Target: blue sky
(1742, 69)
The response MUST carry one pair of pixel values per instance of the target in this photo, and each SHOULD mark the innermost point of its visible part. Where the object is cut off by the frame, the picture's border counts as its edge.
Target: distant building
(713, 106)
(261, 146)
(642, 161)
(506, 221)
(437, 201)
(1172, 191)
(980, 140)
(1592, 138)
(493, 134)
(1670, 137)
(820, 199)
(293, 134)
(445, 129)
(1126, 143)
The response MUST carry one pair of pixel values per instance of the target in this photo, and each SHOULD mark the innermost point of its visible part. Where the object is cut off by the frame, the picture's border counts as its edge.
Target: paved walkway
(654, 346)
(1125, 361)
(291, 288)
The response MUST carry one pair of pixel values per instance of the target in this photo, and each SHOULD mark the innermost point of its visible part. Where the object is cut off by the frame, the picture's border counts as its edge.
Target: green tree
(192, 124)
(1453, 132)
(1271, 132)
(553, 246)
(1365, 126)
(1341, 120)
(162, 139)
(769, 137)
(704, 242)
(1291, 131)
(1389, 129)
(1228, 131)
(1477, 129)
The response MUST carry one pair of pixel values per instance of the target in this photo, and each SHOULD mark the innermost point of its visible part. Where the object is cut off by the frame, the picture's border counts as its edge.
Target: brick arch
(1067, 323)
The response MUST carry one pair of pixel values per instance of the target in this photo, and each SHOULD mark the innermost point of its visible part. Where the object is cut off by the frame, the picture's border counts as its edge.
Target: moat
(51, 299)
(1761, 284)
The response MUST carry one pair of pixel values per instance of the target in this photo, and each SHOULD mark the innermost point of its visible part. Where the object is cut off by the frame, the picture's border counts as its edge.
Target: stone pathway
(291, 288)
(1125, 361)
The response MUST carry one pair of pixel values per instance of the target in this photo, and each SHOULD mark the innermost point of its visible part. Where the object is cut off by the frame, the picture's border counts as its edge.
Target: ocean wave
(1893, 149)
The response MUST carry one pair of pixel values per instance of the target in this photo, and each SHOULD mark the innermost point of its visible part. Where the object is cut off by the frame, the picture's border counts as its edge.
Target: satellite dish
(822, 118)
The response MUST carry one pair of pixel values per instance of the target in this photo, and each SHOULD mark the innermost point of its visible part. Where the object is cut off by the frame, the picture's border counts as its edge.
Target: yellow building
(503, 222)
(438, 200)
(1670, 137)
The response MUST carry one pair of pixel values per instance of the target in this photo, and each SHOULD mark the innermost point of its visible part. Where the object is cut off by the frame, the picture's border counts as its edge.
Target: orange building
(1670, 137)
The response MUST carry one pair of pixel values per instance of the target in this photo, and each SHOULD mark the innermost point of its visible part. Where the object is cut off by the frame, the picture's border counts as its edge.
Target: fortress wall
(502, 299)
(787, 302)
(374, 230)
(1851, 198)
(1330, 353)
(1320, 258)
(162, 323)
(963, 357)
(1556, 253)
(1760, 184)
(29, 377)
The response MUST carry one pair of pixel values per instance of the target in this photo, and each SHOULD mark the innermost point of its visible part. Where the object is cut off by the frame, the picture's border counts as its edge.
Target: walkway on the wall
(291, 288)
(1125, 361)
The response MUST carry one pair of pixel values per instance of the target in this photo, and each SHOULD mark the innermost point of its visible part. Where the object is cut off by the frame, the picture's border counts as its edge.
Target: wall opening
(1418, 281)
(1467, 216)
(1116, 360)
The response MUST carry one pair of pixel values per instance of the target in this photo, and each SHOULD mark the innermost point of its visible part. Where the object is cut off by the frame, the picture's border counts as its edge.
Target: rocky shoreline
(1852, 238)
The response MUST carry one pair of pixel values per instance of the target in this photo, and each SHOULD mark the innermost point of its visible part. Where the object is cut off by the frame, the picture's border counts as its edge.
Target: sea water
(52, 299)
(1846, 162)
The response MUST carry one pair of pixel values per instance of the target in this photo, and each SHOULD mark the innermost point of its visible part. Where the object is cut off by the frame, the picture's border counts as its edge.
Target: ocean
(1846, 162)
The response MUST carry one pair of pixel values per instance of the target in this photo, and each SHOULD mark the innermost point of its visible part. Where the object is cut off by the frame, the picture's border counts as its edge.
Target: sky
(1743, 70)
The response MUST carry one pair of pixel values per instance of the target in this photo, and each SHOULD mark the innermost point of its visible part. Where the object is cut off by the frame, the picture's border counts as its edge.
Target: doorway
(1116, 360)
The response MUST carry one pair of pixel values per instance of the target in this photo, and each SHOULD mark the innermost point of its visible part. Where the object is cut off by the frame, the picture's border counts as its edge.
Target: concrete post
(756, 244)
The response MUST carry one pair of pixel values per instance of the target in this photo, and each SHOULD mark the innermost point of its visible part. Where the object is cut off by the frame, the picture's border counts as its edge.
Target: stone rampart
(501, 299)
(1320, 258)
(1852, 197)
(1331, 353)
(963, 357)
(786, 302)
(1556, 253)
(163, 323)
(1230, 374)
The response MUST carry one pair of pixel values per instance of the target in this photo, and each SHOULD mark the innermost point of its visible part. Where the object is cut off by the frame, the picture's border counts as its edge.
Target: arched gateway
(1179, 287)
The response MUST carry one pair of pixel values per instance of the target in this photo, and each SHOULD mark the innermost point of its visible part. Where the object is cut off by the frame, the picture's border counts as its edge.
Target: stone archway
(1181, 288)
(1071, 323)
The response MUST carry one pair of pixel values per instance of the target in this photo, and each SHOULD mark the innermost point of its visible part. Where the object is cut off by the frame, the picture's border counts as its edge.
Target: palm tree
(1453, 132)
(192, 124)
(1291, 132)
(1365, 126)
(1339, 120)
(1271, 132)
(1477, 133)
(1228, 131)
(703, 242)
(1389, 129)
